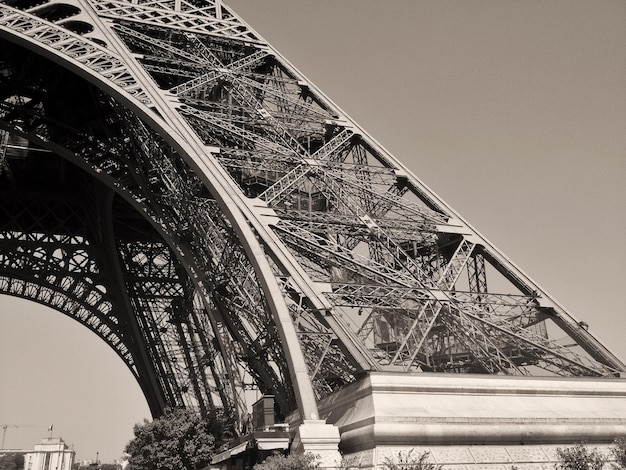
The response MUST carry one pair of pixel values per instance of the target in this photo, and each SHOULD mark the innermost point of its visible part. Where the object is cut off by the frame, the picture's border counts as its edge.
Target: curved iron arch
(44, 141)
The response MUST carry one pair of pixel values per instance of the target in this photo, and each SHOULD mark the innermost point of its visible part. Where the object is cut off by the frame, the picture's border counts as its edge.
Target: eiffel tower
(174, 184)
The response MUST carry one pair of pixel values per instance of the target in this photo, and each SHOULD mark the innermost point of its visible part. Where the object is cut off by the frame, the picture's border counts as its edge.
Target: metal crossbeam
(211, 76)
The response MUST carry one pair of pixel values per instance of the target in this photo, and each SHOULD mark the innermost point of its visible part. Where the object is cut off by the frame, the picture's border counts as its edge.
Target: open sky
(514, 112)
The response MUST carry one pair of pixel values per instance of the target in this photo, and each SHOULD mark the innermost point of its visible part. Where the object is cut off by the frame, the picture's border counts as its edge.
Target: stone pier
(475, 421)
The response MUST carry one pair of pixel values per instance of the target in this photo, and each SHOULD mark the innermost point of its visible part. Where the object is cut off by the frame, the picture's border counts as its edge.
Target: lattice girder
(51, 253)
(303, 237)
(44, 243)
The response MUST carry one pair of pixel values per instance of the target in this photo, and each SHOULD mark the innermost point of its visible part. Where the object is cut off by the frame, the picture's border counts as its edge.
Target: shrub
(619, 451)
(289, 462)
(579, 458)
(408, 461)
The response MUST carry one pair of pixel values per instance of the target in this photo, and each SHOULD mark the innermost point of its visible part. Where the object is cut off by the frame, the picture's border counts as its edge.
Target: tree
(579, 458)
(289, 462)
(11, 461)
(179, 439)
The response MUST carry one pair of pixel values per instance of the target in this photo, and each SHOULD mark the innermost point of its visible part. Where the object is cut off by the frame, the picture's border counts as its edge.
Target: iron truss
(253, 233)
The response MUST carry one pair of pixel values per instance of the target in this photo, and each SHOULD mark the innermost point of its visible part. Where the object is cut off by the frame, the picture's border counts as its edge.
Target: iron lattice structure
(174, 184)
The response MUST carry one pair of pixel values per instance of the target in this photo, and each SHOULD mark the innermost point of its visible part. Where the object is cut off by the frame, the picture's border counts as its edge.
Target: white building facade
(50, 454)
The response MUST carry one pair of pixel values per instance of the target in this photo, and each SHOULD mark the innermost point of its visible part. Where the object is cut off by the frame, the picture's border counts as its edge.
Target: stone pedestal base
(320, 439)
(470, 422)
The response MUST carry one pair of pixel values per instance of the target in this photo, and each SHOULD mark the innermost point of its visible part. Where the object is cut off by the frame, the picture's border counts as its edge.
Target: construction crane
(6, 426)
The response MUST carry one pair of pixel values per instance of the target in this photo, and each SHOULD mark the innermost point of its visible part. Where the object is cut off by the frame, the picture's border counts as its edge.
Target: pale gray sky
(514, 112)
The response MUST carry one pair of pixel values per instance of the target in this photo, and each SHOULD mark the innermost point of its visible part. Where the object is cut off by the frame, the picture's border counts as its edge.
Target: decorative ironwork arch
(142, 180)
